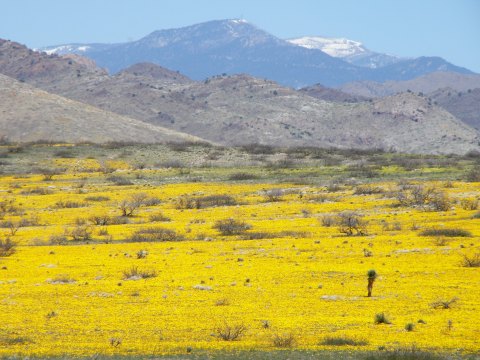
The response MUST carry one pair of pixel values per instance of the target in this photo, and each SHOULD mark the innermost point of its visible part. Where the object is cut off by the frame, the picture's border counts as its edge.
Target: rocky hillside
(30, 114)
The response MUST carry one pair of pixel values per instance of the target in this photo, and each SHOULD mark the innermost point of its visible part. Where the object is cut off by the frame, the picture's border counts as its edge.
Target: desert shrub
(97, 198)
(142, 254)
(242, 176)
(7, 207)
(415, 195)
(62, 279)
(69, 204)
(33, 220)
(102, 220)
(394, 226)
(7, 247)
(440, 202)
(320, 198)
(170, 164)
(151, 201)
(476, 215)
(351, 223)
(48, 174)
(79, 233)
(120, 220)
(57, 240)
(154, 235)
(231, 226)
(230, 332)
(367, 189)
(446, 232)
(258, 149)
(13, 226)
(381, 318)
(286, 340)
(473, 175)
(362, 171)
(404, 354)
(469, 204)
(189, 202)
(342, 341)
(472, 260)
(222, 302)
(258, 235)
(328, 220)
(134, 273)
(443, 304)
(65, 154)
(274, 195)
(119, 180)
(410, 327)
(159, 216)
(37, 191)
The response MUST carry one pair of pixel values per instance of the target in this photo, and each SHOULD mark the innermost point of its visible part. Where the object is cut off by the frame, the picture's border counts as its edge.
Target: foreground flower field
(165, 280)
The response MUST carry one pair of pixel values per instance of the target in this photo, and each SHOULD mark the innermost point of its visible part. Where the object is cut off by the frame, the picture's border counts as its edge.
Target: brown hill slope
(30, 114)
(241, 109)
(425, 84)
(328, 94)
(464, 105)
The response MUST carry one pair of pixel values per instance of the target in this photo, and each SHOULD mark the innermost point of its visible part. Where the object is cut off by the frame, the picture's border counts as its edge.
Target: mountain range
(237, 46)
(62, 95)
(238, 109)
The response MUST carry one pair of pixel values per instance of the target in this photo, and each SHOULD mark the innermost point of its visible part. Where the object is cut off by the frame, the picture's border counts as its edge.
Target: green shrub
(381, 318)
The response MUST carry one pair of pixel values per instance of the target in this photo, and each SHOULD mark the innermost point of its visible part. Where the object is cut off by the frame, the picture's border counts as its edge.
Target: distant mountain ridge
(236, 46)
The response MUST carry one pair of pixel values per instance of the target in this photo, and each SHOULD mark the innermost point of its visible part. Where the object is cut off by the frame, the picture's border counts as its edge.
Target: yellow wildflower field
(78, 286)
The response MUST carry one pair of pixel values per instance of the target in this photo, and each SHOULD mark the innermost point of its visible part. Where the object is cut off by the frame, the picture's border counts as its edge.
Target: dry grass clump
(189, 202)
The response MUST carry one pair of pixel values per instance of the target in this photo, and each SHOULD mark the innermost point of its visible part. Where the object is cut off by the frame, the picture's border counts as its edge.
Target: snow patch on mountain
(336, 47)
(64, 49)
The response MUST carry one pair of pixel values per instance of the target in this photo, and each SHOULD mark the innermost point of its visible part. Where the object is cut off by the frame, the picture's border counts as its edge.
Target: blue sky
(446, 28)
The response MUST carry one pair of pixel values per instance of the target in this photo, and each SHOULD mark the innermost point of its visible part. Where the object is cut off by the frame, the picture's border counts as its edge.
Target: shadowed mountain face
(242, 109)
(236, 46)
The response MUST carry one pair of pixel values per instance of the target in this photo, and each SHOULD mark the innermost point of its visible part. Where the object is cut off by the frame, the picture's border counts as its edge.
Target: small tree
(130, 205)
(349, 223)
(7, 247)
(372, 275)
